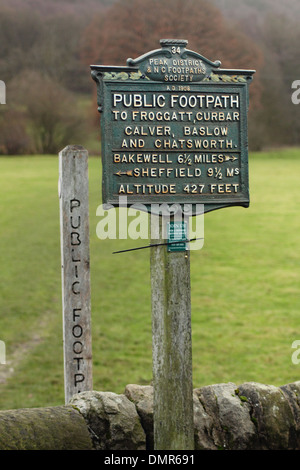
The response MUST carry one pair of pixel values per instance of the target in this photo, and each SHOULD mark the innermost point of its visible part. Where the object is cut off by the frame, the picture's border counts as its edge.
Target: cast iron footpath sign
(174, 134)
(174, 129)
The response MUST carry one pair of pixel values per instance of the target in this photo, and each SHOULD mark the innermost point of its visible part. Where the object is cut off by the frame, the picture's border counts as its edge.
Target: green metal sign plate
(174, 130)
(177, 231)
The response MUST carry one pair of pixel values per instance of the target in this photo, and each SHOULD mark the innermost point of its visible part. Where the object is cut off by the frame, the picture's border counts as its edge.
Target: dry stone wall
(251, 416)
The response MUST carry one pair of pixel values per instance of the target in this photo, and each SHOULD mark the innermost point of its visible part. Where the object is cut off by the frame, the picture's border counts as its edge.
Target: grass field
(245, 287)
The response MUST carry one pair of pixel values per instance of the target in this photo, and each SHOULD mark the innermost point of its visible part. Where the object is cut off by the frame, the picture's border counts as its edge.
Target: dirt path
(22, 350)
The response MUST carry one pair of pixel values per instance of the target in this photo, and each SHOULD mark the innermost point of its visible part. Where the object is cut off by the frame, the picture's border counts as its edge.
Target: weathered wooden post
(171, 343)
(2, 92)
(75, 258)
(2, 353)
(173, 131)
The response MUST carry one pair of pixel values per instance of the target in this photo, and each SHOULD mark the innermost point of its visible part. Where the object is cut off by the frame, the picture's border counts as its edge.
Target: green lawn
(245, 286)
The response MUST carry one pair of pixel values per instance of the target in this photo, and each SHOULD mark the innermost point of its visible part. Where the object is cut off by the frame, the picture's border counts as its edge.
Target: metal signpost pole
(75, 257)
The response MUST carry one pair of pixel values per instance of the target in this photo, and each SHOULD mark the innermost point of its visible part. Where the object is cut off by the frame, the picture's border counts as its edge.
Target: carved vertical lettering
(73, 166)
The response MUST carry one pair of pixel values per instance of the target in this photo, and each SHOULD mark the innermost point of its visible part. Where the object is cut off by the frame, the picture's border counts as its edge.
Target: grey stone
(142, 397)
(292, 394)
(112, 420)
(51, 428)
(272, 415)
(203, 425)
(229, 423)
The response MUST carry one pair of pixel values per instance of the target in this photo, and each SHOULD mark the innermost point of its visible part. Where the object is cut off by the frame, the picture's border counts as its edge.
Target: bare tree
(133, 27)
(50, 110)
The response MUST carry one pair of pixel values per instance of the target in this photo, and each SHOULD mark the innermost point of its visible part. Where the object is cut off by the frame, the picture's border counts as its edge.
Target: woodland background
(48, 46)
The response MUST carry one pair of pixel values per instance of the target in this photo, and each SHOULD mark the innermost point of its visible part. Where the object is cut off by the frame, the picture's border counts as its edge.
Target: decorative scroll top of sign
(174, 60)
